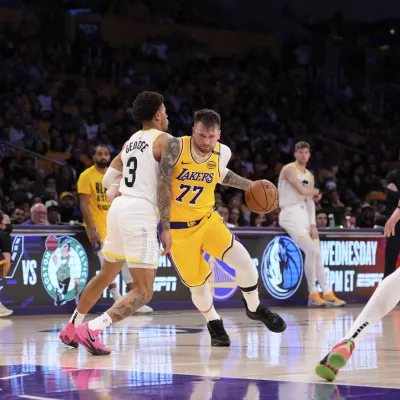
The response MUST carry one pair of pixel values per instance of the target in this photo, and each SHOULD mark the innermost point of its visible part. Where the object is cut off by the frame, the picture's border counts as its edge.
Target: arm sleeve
(83, 184)
(311, 205)
(110, 177)
(224, 159)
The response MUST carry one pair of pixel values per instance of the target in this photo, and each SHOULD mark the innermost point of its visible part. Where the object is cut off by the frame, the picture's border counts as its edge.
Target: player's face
(162, 118)
(205, 138)
(102, 157)
(302, 156)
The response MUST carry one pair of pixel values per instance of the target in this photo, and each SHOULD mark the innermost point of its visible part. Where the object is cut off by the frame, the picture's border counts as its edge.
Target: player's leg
(114, 258)
(202, 299)
(126, 274)
(384, 299)
(115, 293)
(88, 333)
(138, 236)
(220, 243)
(328, 295)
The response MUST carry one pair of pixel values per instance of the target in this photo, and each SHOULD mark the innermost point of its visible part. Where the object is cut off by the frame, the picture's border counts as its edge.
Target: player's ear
(219, 135)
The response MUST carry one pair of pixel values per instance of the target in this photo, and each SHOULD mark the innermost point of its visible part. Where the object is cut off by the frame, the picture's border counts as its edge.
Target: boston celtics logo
(64, 268)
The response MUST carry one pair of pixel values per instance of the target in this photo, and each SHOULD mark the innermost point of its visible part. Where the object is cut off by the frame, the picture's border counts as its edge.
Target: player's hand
(314, 232)
(390, 226)
(317, 198)
(315, 193)
(94, 237)
(166, 240)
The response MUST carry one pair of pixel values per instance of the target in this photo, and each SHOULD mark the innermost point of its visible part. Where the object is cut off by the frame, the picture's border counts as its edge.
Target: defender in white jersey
(297, 217)
(145, 166)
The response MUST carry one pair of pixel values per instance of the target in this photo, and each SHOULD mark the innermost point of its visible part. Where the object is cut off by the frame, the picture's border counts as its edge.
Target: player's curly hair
(146, 105)
(209, 118)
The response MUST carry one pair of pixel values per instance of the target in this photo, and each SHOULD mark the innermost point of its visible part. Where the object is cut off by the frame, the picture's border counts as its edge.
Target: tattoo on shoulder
(168, 157)
(236, 181)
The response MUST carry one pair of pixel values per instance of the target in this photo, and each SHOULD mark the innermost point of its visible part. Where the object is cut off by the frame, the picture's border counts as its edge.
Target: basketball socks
(77, 318)
(211, 314)
(202, 299)
(384, 299)
(115, 294)
(250, 294)
(100, 323)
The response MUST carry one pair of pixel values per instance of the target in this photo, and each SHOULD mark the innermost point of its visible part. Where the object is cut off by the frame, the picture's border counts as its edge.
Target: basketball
(262, 197)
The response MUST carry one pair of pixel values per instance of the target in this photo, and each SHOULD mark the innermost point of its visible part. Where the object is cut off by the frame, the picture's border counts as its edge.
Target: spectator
(69, 211)
(223, 211)
(38, 215)
(53, 215)
(322, 219)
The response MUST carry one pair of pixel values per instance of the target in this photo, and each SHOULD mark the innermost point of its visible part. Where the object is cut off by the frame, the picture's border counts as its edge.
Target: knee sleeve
(239, 259)
(201, 297)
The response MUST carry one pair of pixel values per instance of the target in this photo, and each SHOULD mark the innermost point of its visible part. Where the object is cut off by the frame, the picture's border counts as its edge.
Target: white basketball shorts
(132, 231)
(294, 220)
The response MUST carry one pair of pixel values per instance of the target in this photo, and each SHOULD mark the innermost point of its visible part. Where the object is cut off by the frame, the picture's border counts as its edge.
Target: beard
(102, 164)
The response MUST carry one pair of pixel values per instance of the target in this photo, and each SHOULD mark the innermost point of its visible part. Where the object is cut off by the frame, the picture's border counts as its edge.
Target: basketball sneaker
(336, 359)
(219, 337)
(315, 300)
(89, 339)
(144, 310)
(271, 320)
(333, 301)
(5, 312)
(67, 335)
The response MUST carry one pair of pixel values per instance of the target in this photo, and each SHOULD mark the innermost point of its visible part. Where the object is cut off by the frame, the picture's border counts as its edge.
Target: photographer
(5, 254)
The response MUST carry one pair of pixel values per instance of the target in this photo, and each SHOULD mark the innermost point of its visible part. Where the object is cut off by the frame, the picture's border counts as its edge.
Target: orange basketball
(262, 197)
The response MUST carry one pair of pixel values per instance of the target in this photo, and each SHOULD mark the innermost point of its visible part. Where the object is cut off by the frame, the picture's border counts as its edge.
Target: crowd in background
(59, 104)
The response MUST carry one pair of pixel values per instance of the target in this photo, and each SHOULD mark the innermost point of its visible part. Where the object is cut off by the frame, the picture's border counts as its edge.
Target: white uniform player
(297, 217)
(133, 217)
(145, 166)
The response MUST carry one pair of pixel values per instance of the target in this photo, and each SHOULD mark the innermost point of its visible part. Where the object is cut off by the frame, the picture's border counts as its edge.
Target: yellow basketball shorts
(188, 244)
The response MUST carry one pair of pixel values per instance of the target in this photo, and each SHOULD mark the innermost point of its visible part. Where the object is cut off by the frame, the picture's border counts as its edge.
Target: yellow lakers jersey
(193, 183)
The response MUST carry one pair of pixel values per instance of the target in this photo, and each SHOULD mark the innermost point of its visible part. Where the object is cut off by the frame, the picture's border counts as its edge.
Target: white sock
(384, 299)
(115, 294)
(211, 314)
(202, 299)
(77, 318)
(251, 297)
(100, 323)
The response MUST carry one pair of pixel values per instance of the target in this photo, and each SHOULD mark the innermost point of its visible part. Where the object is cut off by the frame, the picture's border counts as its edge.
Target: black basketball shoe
(219, 337)
(271, 320)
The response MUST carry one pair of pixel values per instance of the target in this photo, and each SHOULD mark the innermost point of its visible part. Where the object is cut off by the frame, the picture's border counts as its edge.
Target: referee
(5, 255)
(392, 242)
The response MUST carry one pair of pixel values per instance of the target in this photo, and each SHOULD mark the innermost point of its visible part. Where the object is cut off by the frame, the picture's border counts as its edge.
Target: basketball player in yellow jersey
(196, 227)
(94, 207)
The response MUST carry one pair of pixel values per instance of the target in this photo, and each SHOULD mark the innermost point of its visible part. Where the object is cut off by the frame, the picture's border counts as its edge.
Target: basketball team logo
(282, 267)
(64, 268)
(223, 279)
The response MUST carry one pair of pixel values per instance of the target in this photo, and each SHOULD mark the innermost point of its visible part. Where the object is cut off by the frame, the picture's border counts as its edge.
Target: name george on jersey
(138, 145)
(187, 175)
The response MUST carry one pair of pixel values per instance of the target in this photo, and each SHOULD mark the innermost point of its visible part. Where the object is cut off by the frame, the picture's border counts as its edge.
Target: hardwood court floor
(168, 356)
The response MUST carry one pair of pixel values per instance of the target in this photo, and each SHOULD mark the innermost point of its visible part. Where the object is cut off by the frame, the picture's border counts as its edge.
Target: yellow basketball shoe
(332, 301)
(315, 300)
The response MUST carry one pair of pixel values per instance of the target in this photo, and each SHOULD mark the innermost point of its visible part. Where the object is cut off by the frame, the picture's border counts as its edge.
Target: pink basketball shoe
(88, 338)
(67, 335)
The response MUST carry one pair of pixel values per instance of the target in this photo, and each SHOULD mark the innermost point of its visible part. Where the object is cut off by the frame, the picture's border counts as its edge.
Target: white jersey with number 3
(140, 170)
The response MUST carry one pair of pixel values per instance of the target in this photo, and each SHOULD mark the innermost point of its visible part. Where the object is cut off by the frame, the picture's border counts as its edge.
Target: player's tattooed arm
(169, 154)
(236, 181)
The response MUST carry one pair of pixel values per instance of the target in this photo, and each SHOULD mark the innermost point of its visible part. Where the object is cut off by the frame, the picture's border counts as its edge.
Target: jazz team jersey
(288, 195)
(140, 171)
(90, 183)
(193, 183)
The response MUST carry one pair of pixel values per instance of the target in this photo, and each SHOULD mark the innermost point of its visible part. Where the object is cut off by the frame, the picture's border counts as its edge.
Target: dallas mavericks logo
(64, 268)
(282, 267)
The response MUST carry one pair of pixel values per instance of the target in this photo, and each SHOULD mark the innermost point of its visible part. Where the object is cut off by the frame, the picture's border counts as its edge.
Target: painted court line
(4, 378)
